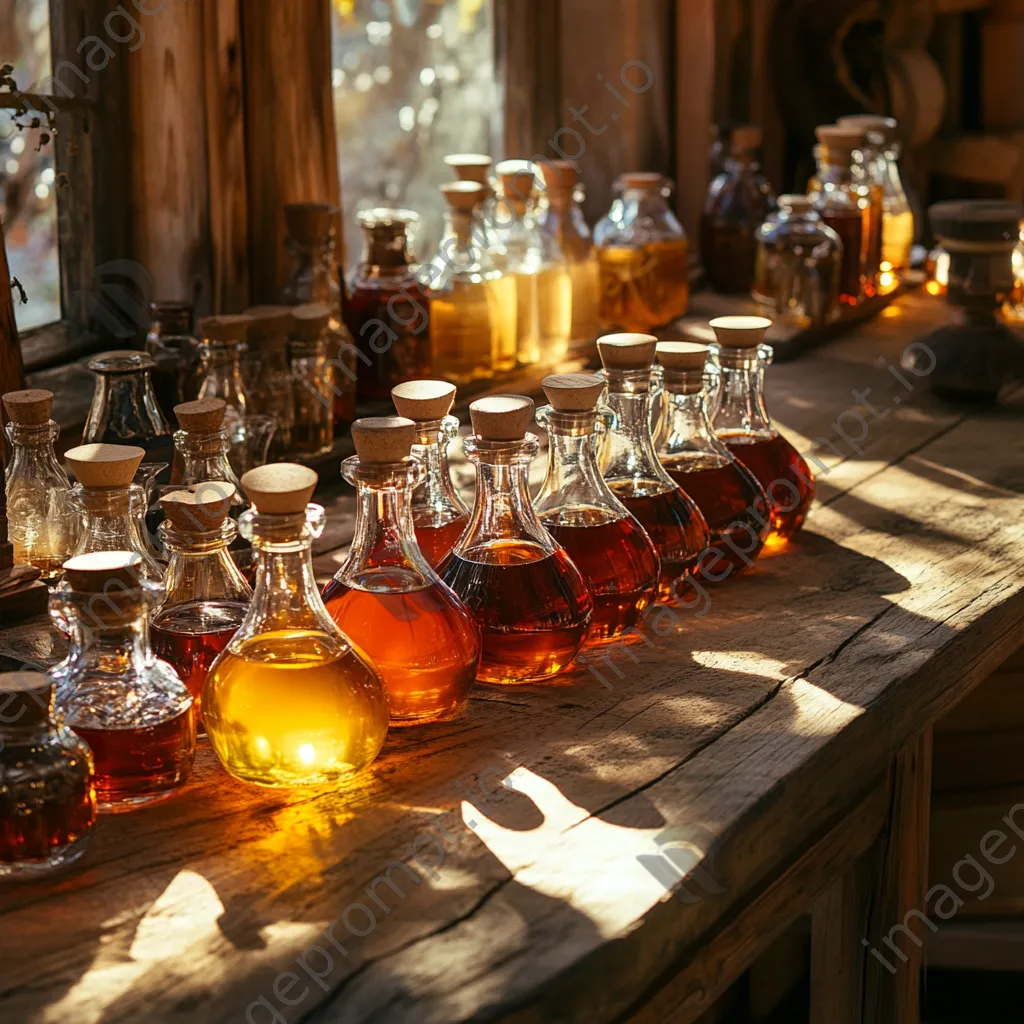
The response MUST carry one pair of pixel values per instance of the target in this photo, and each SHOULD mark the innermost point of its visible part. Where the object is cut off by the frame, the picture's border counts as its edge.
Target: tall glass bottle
(560, 217)
(205, 595)
(729, 497)
(643, 257)
(610, 548)
(132, 710)
(738, 201)
(472, 304)
(290, 701)
(530, 601)
(267, 373)
(47, 800)
(313, 430)
(631, 467)
(42, 524)
(388, 310)
(175, 351)
(438, 514)
(743, 424)
(386, 597)
(221, 350)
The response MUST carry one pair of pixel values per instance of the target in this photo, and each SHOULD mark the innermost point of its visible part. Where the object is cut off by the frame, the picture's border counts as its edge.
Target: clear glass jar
(42, 523)
(798, 266)
(386, 597)
(132, 709)
(221, 350)
(47, 800)
(268, 374)
(609, 547)
(290, 701)
(528, 598)
(175, 351)
(313, 432)
(643, 257)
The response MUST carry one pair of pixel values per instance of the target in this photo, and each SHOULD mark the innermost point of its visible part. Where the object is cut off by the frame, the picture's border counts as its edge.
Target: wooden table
(774, 750)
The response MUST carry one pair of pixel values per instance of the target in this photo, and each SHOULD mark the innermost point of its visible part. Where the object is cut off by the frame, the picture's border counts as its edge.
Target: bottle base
(60, 858)
(428, 717)
(107, 803)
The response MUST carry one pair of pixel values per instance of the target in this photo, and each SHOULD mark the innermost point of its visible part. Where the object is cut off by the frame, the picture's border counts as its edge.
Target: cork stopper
(309, 223)
(573, 392)
(682, 355)
(627, 351)
(309, 321)
(518, 178)
(470, 166)
(501, 417)
(745, 137)
(25, 698)
(104, 465)
(463, 196)
(30, 408)
(226, 327)
(280, 489)
(559, 174)
(796, 203)
(887, 127)
(646, 180)
(93, 573)
(203, 416)
(740, 331)
(269, 326)
(424, 400)
(200, 508)
(839, 140)
(383, 439)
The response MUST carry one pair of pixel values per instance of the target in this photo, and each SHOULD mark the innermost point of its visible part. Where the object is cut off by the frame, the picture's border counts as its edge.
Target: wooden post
(12, 374)
(1002, 65)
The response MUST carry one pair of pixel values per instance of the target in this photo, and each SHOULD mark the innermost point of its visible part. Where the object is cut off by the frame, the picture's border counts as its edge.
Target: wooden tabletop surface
(434, 891)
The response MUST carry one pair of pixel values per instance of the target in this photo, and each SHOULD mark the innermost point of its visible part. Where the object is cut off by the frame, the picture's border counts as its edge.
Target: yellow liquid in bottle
(585, 325)
(554, 312)
(527, 337)
(897, 238)
(502, 305)
(294, 708)
(644, 287)
(461, 330)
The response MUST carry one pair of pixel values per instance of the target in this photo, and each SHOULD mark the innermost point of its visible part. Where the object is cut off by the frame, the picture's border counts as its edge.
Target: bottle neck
(110, 632)
(689, 422)
(205, 457)
(385, 253)
(36, 439)
(631, 454)
(312, 278)
(741, 404)
(200, 566)
(431, 450)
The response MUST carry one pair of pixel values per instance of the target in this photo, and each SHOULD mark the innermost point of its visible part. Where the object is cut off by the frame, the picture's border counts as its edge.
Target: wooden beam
(12, 373)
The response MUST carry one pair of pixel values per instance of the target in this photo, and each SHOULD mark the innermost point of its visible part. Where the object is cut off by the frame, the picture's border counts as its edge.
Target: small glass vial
(175, 351)
(560, 218)
(731, 500)
(738, 201)
(268, 374)
(106, 498)
(631, 467)
(528, 598)
(798, 266)
(313, 432)
(743, 424)
(205, 595)
(543, 285)
(290, 701)
(42, 523)
(221, 350)
(132, 710)
(387, 599)
(643, 256)
(609, 547)
(472, 304)
(47, 799)
(388, 311)
(438, 514)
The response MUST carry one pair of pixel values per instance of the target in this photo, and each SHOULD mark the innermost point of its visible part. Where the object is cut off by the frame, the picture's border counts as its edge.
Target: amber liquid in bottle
(436, 541)
(461, 329)
(532, 613)
(618, 568)
(644, 287)
(850, 229)
(57, 823)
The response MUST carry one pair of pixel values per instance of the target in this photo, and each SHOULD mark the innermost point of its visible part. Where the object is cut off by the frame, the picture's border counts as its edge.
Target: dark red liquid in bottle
(734, 507)
(533, 608)
(617, 561)
(437, 541)
(671, 520)
(61, 818)
(850, 229)
(784, 475)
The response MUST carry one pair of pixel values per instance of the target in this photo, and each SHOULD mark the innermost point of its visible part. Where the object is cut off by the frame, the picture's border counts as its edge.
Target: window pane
(25, 40)
(413, 80)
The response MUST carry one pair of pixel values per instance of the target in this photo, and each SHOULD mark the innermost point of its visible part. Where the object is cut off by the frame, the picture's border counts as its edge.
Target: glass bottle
(388, 310)
(205, 595)
(386, 598)
(643, 257)
(124, 408)
(743, 424)
(267, 373)
(472, 304)
(47, 800)
(105, 497)
(543, 285)
(731, 500)
(883, 154)
(738, 201)
(609, 547)
(631, 468)
(290, 701)
(221, 375)
(310, 245)
(43, 525)
(560, 218)
(132, 709)
(313, 432)
(438, 514)
(529, 600)
(798, 266)
(175, 351)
